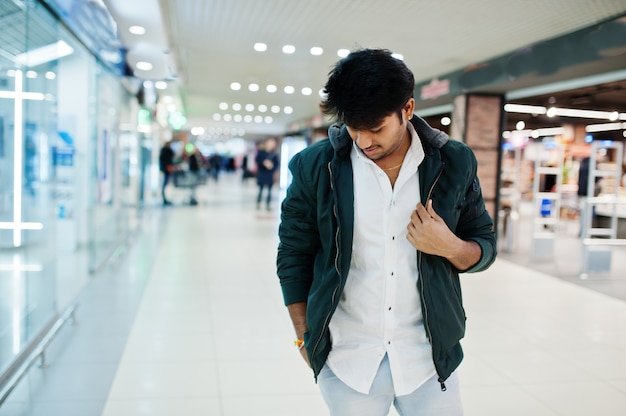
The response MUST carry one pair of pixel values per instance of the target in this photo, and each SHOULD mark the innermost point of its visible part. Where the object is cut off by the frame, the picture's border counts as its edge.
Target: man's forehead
(374, 126)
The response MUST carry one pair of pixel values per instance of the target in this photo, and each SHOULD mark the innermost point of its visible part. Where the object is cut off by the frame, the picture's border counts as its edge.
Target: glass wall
(66, 200)
(28, 232)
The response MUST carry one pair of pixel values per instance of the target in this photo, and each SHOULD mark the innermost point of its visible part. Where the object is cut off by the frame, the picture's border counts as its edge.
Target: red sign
(435, 89)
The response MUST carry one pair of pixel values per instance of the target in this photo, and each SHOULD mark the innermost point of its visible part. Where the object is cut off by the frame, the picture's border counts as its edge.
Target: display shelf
(547, 182)
(605, 209)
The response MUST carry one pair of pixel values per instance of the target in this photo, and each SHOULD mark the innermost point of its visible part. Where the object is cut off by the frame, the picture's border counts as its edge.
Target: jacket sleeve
(298, 235)
(476, 224)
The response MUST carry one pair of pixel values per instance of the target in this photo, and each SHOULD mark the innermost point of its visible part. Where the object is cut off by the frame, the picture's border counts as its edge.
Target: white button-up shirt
(379, 311)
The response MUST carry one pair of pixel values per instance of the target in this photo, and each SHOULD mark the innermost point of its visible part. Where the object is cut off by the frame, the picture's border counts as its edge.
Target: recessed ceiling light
(260, 47)
(289, 89)
(137, 30)
(253, 87)
(236, 107)
(227, 117)
(197, 131)
(275, 109)
(342, 53)
(398, 56)
(271, 88)
(238, 118)
(160, 85)
(596, 128)
(47, 53)
(316, 50)
(247, 118)
(262, 108)
(258, 119)
(288, 109)
(249, 107)
(235, 86)
(50, 75)
(223, 106)
(307, 91)
(289, 49)
(268, 119)
(144, 66)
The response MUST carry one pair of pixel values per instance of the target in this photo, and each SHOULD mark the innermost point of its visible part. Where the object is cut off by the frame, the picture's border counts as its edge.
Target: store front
(562, 105)
(61, 183)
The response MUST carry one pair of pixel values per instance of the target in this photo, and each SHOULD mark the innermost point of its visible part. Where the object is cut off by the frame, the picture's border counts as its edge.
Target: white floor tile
(188, 406)
(168, 347)
(266, 377)
(509, 400)
(580, 398)
(302, 405)
(537, 366)
(158, 380)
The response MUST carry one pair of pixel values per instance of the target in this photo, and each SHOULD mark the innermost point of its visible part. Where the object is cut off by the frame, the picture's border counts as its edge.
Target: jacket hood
(431, 137)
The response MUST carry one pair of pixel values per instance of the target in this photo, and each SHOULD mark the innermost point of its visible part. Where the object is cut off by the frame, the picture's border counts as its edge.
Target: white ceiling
(205, 45)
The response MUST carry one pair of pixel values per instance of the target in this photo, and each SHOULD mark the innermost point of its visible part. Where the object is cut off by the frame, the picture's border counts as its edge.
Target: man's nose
(363, 140)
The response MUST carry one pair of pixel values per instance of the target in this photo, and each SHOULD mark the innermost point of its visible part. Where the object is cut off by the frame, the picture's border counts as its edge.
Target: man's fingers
(422, 213)
(431, 210)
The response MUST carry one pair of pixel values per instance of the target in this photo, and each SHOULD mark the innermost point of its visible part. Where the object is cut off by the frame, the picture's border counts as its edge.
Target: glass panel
(27, 227)
(38, 229)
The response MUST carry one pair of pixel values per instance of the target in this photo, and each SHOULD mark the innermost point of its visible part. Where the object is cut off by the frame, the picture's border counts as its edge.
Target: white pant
(427, 400)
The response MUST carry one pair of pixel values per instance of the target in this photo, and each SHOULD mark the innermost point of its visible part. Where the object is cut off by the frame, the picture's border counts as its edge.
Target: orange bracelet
(299, 343)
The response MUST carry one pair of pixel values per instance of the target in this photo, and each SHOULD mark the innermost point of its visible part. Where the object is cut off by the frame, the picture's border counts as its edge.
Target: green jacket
(316, 238)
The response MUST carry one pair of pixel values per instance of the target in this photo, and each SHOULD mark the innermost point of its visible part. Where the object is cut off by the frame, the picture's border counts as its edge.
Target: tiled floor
(192, 323)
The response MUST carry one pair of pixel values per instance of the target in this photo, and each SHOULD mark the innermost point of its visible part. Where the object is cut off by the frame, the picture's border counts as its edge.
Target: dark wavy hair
(365, 87)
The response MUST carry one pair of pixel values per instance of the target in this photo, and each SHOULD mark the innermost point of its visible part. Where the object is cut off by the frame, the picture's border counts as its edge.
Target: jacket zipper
(419, 266)
(327, 319)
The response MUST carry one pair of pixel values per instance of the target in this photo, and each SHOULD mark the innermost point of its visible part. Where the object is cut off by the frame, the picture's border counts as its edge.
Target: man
(376, 226)
(267, 164)
(166, 165)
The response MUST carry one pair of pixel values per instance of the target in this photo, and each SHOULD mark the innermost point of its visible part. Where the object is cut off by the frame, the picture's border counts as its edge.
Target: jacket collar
(431, 138)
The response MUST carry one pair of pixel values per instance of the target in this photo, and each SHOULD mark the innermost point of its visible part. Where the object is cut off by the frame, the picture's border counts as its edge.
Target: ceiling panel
(211, 42)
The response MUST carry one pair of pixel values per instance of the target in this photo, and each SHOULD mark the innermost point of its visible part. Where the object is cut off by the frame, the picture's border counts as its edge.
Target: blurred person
(379, 221)
(215, 165)
(195, 162)
(267, 165)
(583, 193)
(166, 165)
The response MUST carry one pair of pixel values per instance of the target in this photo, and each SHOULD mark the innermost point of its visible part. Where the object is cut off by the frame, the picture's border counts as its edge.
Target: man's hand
(429, 233)
(305, 355)
(297, 313)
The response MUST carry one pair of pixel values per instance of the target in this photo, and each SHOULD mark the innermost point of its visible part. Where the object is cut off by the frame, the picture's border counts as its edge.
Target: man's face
(386, 138)
(270, 145)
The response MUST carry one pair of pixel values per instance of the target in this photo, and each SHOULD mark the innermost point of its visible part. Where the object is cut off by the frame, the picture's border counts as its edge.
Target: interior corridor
(190, 321)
